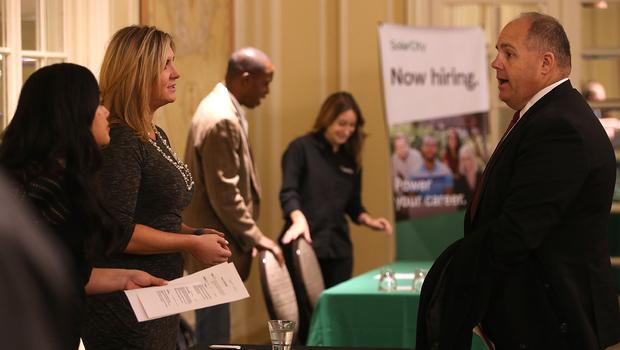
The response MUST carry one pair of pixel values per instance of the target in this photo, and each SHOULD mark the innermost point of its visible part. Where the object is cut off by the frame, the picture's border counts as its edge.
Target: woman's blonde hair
(133, 61)
(467, 149)
(334, 105)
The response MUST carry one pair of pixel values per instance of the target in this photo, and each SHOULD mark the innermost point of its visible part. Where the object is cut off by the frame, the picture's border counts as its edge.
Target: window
(601, 57)
(31, 36)
(42, 34)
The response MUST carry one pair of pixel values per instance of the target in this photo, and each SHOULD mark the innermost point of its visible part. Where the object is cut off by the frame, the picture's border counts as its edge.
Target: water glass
(281, 333)
(418, 279)
(387, 280)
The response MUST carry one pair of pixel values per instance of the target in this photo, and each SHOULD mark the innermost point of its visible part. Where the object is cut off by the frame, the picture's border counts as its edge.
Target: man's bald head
(247, 60)
(249, 74)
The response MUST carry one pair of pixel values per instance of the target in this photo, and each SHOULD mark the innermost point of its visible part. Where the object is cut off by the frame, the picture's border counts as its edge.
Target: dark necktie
(476, 198)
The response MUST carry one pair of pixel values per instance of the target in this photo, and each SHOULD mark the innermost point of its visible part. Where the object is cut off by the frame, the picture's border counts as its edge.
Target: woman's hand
(210, 248)
(106, 280)
(140, 279)
(298, 228)
(379, 224)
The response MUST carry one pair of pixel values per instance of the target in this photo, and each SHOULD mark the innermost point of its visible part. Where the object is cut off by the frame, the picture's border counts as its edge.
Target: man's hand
(266, 243)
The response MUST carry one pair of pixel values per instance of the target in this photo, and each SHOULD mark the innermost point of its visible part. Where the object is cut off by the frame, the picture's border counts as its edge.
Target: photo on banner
(436, 99)
(437, 163)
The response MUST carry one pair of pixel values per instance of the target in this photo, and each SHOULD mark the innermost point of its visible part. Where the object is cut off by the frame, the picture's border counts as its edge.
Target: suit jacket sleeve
(221, 148)
(548, 173)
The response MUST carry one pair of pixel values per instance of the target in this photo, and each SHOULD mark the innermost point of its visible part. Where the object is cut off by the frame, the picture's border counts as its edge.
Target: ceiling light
(601, 4)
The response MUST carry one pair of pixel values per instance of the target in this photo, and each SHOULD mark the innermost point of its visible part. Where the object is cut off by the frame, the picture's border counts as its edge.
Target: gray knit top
(140, 186)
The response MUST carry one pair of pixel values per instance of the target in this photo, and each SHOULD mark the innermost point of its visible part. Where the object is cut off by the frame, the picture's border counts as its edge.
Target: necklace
(174, 160)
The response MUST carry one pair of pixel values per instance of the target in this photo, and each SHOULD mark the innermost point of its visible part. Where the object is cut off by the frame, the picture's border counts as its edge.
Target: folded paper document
(212, 286)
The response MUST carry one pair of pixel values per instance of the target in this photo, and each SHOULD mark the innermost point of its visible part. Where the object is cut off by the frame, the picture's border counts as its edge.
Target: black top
(139, 186)
(49, 197)
(325, 186)
(55, 211)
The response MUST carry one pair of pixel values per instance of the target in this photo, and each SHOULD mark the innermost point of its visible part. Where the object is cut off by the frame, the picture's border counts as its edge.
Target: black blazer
(534, 265)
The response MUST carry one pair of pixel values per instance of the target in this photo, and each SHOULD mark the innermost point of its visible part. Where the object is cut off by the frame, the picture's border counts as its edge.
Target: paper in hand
(212, 286)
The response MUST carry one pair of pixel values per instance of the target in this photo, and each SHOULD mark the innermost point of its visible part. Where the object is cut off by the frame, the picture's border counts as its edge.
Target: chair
(307, 280)
(308, 269)
(278, 289)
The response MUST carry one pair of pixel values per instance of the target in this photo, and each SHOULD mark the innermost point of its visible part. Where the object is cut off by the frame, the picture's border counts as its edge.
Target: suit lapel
(497, 155)
(248, 154)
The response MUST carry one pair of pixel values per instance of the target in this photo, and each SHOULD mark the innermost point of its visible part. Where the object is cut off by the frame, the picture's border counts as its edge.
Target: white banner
(435, 84)
(432, 72)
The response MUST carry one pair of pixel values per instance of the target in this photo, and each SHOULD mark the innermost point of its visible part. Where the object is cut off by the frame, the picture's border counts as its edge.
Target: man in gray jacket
(227, 196)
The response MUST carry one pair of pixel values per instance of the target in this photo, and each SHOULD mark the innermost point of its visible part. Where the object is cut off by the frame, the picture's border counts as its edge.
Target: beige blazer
(227, 192)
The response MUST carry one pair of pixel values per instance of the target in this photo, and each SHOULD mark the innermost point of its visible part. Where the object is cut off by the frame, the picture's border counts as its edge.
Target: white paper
(212, 286)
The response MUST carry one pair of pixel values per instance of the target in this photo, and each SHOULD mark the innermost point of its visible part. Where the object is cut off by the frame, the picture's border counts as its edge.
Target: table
(355, 313)
(268, 347)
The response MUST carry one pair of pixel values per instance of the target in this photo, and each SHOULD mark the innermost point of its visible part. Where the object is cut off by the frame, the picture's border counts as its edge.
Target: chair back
(278, 289)
(307, 266)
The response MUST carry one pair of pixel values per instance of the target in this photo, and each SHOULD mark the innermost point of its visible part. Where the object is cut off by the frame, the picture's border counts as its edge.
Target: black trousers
(336, 270)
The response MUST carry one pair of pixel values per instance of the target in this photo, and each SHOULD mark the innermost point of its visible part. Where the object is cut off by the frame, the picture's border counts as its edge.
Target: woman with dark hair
(321, 182)
(450, 156)
(52, 150)
(147, 187)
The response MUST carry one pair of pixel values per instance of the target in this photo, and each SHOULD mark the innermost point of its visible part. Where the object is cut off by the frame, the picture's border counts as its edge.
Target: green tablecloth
(355, 314)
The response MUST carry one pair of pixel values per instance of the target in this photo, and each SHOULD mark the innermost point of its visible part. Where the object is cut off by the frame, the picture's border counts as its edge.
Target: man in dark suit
(533, 270)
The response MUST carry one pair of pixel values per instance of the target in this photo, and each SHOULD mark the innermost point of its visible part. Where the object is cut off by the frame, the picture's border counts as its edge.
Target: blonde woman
(470, 173)
(146, 188)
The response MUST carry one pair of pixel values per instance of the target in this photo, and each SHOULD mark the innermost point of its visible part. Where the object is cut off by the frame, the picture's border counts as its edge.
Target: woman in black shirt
(52, 150)
(321, 182)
